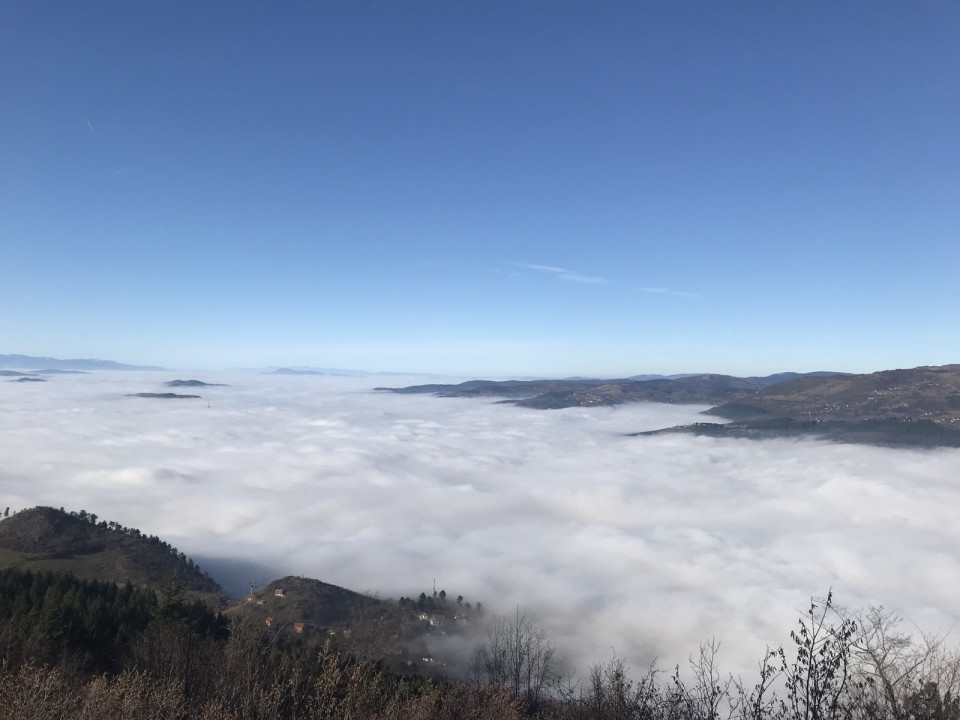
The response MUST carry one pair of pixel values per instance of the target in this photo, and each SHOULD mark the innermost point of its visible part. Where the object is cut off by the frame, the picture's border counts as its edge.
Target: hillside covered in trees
(917, 407)
(44, 538)
(73, 647)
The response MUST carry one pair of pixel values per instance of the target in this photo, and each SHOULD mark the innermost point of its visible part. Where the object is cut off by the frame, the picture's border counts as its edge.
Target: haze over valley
(637, 320)
(646, 544)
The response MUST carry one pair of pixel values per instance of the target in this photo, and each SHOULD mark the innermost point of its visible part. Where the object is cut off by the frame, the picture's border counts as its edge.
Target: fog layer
(647, 545)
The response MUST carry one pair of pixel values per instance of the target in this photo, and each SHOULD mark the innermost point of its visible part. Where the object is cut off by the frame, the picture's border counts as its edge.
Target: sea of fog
(642, 546)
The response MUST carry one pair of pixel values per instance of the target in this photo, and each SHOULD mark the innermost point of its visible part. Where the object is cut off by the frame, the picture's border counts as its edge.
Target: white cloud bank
(649, 545)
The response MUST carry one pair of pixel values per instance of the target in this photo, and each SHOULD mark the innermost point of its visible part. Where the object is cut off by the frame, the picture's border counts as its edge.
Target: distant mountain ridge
(336, 372)
(917, 407)
(292, 371)
(192, 383)
(703, 389)
(30, 362)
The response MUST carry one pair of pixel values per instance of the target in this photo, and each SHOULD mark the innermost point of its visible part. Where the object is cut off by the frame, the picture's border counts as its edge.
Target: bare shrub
(518, 657)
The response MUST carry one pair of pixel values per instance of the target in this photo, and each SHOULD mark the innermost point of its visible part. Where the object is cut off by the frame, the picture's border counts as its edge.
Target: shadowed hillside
(44, 538)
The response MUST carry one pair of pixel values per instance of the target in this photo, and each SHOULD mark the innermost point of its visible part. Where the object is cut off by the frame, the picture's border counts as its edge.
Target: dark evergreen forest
(72, 648)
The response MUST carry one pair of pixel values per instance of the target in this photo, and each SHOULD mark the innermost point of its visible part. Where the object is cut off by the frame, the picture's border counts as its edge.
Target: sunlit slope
(923, 393)
(919, 407)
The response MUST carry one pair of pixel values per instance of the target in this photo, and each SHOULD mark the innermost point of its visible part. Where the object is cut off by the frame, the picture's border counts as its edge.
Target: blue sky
(482, 188)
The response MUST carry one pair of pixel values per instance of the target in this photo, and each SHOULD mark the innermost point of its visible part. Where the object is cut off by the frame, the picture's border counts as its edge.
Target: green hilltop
(48, 539)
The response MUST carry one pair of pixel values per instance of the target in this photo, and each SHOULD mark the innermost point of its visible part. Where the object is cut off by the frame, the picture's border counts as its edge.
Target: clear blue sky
(489, 188)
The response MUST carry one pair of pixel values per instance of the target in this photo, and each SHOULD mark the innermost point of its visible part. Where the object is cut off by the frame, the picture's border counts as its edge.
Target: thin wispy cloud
(94, 132)
(564, 274)
(665, 291)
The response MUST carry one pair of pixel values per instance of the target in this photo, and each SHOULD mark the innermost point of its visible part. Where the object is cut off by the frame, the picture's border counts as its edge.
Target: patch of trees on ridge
(80, 542)
(98, 648)
(88, 626)
(85, 649)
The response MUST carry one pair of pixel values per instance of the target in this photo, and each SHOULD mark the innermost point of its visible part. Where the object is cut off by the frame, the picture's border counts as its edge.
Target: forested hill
(304, 650)
(922, 393)
(44, 538)
(918, 407)
(292, 600)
